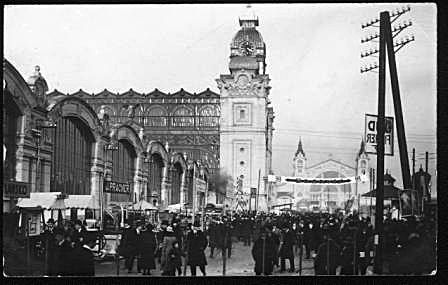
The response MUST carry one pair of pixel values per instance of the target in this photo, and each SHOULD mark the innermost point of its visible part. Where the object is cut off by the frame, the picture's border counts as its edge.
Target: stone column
(183, 188)
(97, 177)
(165, 187)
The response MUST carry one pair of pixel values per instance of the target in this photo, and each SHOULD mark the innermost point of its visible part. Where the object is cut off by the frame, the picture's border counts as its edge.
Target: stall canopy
(43, 201)
(81, 202)
(143, 205)
(390, 192)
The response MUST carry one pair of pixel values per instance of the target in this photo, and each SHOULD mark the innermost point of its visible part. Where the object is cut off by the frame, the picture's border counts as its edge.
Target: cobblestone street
(240, 264)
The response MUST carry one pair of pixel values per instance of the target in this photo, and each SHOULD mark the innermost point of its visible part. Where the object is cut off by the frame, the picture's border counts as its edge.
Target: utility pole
(386, 44)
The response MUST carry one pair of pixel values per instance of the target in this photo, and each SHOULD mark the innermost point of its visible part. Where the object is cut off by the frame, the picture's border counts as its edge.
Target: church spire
(300, 148)
(362, 149)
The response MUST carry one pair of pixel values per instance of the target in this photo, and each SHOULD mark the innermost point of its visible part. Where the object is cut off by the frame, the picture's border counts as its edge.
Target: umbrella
(143, 205)
(390, 192)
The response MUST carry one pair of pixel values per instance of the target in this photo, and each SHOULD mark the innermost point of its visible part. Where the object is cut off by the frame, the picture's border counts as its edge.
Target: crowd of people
(335, 243)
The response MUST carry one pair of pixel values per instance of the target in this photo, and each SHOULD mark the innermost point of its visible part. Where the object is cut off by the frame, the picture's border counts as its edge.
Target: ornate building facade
(320, 197)
(246, 124)
(59, 143)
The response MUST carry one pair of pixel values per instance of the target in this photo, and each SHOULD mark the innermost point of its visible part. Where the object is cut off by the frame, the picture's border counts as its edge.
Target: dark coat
(147, 248)
(266, 245)
(85, 265)
(174, 260)
(320, 263)
(79, 237)
(66, 259)
(286, 248)
(129, 244)
(196, 244)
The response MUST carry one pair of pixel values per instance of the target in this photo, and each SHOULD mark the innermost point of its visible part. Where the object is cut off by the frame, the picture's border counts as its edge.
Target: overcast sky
(313, 60)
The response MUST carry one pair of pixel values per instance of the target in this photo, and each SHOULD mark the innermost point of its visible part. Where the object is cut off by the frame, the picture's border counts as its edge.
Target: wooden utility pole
(379, 206)
(404, 158)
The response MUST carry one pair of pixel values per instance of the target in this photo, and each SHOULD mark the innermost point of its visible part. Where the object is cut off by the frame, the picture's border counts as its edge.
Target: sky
(313, 60)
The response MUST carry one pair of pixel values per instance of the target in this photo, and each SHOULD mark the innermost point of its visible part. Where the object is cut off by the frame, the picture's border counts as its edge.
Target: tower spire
(300, 148)
(362, 149)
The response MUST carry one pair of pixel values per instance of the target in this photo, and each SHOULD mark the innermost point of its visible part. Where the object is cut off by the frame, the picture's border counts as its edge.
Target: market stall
(147, 211)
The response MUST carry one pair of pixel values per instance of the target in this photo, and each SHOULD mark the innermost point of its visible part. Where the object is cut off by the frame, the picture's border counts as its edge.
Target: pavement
(241, 263)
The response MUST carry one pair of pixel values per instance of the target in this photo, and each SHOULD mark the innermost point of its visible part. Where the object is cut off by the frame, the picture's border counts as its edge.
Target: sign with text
(116, 187)
(371, 132)
(14, 189)
(201, 185)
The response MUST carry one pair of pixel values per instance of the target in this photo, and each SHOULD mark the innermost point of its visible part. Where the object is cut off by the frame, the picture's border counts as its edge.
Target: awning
(80, 202)
(143, 205)
(44, 201)
(390, 192)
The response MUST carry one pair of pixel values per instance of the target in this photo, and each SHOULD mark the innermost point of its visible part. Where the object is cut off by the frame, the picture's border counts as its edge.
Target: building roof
(249, 34)
(156, 93)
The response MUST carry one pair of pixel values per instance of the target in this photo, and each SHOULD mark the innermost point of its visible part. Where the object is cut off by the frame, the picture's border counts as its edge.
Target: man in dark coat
(196, 244)
(147, 248)
(84, 258)
(287, 248)
(263, 252)
(327, 257)
(79, 233)
(49, 239)
(129, 247)
(212, 236)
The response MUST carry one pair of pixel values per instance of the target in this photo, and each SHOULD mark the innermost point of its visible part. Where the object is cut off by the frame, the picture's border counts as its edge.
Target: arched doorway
(155, 178)
(72, 155)
(123, 169)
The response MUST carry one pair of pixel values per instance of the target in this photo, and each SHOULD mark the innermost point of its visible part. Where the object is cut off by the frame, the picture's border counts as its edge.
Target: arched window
(123, 169)
(156, 117)
(176, 178)
(183, 117)
(71, 160)
(208, 117)
(155, 176)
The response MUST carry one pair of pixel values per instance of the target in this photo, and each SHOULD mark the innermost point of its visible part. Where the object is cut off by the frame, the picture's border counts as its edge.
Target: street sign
(370, 132)
(15, 189)
(116, 187)
(201, 185)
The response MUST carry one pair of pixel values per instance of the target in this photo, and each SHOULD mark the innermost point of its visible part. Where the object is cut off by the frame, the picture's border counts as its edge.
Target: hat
(50, 221)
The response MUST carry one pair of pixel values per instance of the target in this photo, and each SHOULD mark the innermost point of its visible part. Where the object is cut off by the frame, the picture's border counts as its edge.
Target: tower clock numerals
(246, 48)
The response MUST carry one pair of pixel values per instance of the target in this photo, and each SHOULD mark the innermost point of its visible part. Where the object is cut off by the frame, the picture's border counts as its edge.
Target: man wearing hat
(79, 234)
(328, 255)
(167, 245)
(196, 245)
(286, 248)
(49, 238)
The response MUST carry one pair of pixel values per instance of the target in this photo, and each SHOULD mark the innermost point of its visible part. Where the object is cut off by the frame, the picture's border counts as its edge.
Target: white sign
(371, 132)
(201, 185)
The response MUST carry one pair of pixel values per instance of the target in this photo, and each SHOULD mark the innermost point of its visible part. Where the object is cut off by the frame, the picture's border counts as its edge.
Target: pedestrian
(228, 231)
(286, 248)
(328, 254)
(67, 255)
(167, 243)
(212, 236)
(84, 258)
(147, 248)
(263, 252)
(129, 246)
(79, 234)
(276, 236)
(174, 260)
(196, 245)
(49, 239)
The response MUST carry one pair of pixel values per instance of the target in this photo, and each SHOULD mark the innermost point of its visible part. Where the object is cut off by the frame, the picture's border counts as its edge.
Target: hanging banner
(408, 203)
(370, 133)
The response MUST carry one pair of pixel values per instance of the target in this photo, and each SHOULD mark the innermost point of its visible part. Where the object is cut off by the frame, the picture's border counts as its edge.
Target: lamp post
(107, 147)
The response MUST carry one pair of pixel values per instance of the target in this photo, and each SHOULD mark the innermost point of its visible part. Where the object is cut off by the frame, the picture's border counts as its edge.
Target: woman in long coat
(147, 248)
(196, 244)
(167, 244)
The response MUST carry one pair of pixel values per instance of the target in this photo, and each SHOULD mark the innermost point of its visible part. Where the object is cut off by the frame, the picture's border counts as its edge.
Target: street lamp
(107, 147)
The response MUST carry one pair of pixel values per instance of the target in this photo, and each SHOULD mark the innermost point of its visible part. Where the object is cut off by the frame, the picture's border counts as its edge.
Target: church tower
(246, 117)
(362, 171)
(299, 161)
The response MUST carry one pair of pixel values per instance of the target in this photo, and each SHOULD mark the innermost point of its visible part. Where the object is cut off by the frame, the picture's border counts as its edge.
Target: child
(174, 261)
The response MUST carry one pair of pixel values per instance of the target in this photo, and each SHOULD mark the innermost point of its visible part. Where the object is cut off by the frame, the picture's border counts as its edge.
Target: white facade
(244, 124)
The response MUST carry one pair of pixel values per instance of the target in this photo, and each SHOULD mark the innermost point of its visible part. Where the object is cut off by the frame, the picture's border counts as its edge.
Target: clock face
(246, 48)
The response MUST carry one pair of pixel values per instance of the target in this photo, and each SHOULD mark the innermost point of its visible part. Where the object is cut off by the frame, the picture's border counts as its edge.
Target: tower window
(242, 149)
(242, 114)
(242, 163)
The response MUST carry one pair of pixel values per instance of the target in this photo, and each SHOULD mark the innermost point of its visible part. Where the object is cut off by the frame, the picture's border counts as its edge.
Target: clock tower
(246, 122)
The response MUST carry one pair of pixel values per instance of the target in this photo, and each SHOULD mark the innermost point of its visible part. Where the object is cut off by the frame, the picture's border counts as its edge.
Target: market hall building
(58, 144)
